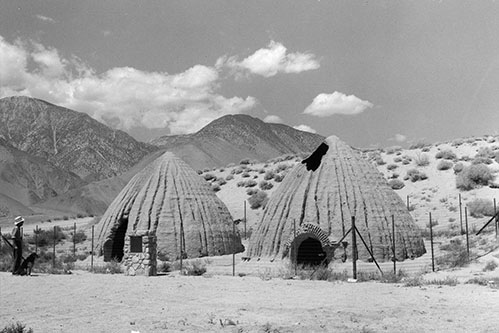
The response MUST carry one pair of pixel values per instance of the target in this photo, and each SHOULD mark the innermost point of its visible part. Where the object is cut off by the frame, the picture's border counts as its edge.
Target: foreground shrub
(396, 184)
(391, 167)
(456, 256)
(79, 237)
(229, 177)
(480, 207)
(278, 178)
(112, 267)
(458, 167)
(490, 266)
(444, 165)
(16, 328)
(415, 175)
(446, 155)
(46, 237)
(209, 176)
(448, 281)
(269, 175)
(422, 160)
(195, 267)
(258, 199)
(265, 185)
(473, 176)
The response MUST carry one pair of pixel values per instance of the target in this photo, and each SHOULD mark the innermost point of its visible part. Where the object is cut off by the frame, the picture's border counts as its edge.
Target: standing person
(17, 238)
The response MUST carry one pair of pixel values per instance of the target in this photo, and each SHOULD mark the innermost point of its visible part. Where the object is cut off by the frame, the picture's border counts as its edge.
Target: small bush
(79, 237)
(269, 175)
(282, 167)
(261, 170)
(422, 160)
(448, 281)
(278, 178)
(418, 145)
(446, 155)
(415, 175)
(490, 266)
(229, 177)
(209, 176)
(380, 161)
(391, 167)
(195, 267)
(112, 267)
(249, 183)
(474, 176)
(251, 191)
(458, 167)
(480, 207)
(457, 255)
(478, 280)
(16, 328)
(215, 187)
(444, 165)
(416, 281)
(396, 184)
(397, 159)
(481, 160)
(258, 199)
(245, 174)
(265, 185)
(245, 161)
(46, 237)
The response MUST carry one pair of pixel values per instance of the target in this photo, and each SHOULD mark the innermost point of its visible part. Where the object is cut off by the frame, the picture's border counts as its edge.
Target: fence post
(74, 240)
(1, 238)
(495, 212)
(92, 252)
(181, 247)
(234, 250)
(245, 235)
(354, 249)
(393, 247)
(467, 236)
(36, 239)
(431, 242)
(53, 257)
(408, 205)
(461, 214)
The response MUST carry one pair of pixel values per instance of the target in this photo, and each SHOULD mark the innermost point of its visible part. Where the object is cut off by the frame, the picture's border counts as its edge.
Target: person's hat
(18, 220)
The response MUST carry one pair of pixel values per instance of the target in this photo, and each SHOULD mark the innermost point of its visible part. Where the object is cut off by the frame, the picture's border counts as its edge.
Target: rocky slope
(71, 140)
(233, 138)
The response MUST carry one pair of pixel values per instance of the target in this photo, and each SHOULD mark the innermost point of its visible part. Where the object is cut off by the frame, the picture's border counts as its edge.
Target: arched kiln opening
(114, 246)
(309, 251)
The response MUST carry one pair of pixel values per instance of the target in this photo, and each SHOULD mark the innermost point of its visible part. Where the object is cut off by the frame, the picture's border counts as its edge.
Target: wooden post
(245, 235)
(36, 239)
(354, 248)
(461, 214)
(431, 242)
(1, 239)
(408, 205)
(53, 252)
(495, 212)
(467, 236)
(295, 250)
(181, 247)
(234, 250)
(74, 241)
(393, 247)
(92, 252)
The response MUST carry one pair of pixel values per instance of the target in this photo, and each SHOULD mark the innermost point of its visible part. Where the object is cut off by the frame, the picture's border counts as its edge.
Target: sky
(373, 73)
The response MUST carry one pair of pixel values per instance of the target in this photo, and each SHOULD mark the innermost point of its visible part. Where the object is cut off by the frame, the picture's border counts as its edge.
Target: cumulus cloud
(273, 119)
(325, 105)
(45, 18)
(305, 128)
(122, 97)
(270, 61)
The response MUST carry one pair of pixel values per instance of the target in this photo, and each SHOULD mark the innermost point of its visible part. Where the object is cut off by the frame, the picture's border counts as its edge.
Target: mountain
(71, 140)
(26, 180)
(232, 138)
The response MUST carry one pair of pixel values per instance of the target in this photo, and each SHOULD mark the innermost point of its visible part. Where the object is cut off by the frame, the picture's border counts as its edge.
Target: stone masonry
(141, 263)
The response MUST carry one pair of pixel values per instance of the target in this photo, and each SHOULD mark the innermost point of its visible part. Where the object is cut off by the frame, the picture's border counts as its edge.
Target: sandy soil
(85, 302)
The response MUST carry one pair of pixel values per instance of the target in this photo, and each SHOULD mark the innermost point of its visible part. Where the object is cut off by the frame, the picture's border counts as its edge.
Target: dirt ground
(86, 302)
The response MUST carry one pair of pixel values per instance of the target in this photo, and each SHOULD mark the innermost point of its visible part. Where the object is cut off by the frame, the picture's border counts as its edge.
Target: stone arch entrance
(114, 246)
(310, 253)
(310, 247)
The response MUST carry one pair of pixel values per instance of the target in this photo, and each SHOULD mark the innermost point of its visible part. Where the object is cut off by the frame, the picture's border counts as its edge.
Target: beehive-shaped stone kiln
(312, 209)
(165, 207)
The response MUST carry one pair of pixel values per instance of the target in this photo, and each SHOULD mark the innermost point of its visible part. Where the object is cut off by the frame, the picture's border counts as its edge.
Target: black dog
(28, 263)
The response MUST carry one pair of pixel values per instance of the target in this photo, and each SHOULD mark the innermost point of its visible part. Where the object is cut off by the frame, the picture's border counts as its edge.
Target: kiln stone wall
(141, 263)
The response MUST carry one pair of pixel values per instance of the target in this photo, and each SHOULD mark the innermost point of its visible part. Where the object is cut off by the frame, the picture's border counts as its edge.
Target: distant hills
(53, 158)
(232, 138)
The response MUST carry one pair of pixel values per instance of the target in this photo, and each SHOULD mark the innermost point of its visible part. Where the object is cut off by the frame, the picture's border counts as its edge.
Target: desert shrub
(251, 191)
(391, 167)
(229, 177)
(446, 155)
(458, 167)
(265, 185)
(394, 175)
(230, 165)
(481, 160)
(380, 161)
(195, 267)
(457, 142)
(258, 199)
(416, 281)
(282, 167)
(237, 171)
(215, 187)
(392, 150)
(480, 207)
(249, 183)
(46, 237)
(406, 161)
(240, 183)
(456, 256)
(245, 175)
(79, 237)
(269, 175)
(415, 175)
(209, 176)
(278, 178)
(490, 266)
(221, 181)
(444, 165)
(16, 328)
(473, 176)
(448, 281)
(418, 145)
(262, 170)
(421, 160)
(485, 152)
(245, 161)
(396, 184)
(478, 280)
(397, 159)
(112, 267)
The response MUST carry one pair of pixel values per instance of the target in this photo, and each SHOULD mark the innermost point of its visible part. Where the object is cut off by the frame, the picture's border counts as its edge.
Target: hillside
(71, 140)
(232, 138)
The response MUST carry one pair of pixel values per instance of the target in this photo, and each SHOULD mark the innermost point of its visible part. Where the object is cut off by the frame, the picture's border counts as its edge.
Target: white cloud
(45, 18)
(122, 97)
(305, 128)
(400, 138)
(273, 119)
(325, 105)
(269, 61)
